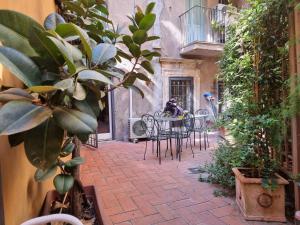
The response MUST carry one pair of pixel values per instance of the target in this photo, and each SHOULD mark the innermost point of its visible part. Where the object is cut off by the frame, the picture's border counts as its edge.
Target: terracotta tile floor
(133, 191)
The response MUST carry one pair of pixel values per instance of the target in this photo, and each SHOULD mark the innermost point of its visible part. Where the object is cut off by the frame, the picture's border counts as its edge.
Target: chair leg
(157, 148)
(145, 150)
(176, 150)
(204, 137)
(192, 147)
(167, 148)
(186, 144)
(200, 140)
(207, 138)
(167, 145)
(159, 159)
(152, 147)
(180, 148)
(194, 138)
(171, 148)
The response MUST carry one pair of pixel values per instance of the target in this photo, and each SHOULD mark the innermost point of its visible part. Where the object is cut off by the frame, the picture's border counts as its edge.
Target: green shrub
(226, 157)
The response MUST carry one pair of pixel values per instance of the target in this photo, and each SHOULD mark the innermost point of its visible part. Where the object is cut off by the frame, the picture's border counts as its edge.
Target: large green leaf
(102, 9)
(41, 175)
(93, 75)
(73, 6)
(89, 105)
(116, 74)
(66, 54)
(21, 66)
(150, 7)
(75, 52)
(63, 183)
(70, 29)
(135, 50)
(140, 37)
(16, 29)
(74, 121)
(67, 149)
(96, 14)
(88, 3)
(19, 116)
(12, 39)
(137, 90)
(65, 84)
(143, 77)
(48, 51)
(15, 94)
(43, 143)
(53, 20)
(74, 162)
(79, 92)
(147, 21)
(103, 52)
(147, 66)
(43, 89)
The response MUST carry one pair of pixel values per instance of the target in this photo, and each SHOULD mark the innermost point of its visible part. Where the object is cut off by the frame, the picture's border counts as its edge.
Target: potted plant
(64, 66)
(254, 70)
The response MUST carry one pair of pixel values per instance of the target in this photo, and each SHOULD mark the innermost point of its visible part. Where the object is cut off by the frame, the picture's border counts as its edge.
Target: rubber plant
(64, 66)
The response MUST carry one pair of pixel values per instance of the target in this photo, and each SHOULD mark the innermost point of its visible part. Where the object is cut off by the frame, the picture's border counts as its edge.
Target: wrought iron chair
(200, 126)
(183, 131)
(158, 113)
(154, 133)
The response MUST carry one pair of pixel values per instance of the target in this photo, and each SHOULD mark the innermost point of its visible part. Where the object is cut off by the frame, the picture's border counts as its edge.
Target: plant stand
(257, 203)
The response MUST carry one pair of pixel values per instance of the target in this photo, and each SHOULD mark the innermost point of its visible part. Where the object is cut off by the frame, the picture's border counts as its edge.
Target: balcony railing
(201, 24)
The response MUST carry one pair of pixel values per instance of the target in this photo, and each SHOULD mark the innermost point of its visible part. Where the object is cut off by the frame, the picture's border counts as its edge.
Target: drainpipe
(130, 90)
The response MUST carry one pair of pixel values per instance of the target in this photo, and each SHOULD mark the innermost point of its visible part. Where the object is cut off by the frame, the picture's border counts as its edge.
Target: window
(225, 2)
(181, 89)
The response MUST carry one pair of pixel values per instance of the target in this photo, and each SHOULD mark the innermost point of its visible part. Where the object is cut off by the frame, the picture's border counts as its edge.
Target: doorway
(104, 130)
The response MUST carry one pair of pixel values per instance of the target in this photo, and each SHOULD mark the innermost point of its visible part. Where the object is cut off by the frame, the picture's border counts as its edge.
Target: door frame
(108, 136)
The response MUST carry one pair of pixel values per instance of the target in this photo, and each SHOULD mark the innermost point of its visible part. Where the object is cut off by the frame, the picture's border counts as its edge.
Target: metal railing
(201, 24)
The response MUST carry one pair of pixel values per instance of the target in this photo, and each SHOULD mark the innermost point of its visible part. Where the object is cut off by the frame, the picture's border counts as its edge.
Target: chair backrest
(158, 113)
(150, 125)
(202, 112)
(189, 122)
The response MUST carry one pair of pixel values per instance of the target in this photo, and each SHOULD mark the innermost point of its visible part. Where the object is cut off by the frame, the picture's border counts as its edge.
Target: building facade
(192, 37)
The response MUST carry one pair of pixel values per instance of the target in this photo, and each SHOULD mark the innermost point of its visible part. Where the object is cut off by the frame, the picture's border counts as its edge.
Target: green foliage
(226, 157)
(254, 72)
(66, 67)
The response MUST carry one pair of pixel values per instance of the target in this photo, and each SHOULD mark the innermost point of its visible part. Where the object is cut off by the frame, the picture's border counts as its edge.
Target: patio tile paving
(133, 191)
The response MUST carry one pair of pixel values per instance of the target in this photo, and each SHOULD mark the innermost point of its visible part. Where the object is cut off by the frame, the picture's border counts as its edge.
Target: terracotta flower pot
(257, 203)
(91, 195)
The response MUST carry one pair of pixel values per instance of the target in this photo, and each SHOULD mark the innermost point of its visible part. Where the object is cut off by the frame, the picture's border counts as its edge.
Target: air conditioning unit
(136, 129)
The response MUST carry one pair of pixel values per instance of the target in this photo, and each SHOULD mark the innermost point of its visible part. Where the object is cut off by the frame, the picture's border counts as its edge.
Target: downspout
(130, 90)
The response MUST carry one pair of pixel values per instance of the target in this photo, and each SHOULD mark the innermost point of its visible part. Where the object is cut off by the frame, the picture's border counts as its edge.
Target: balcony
(203, 32)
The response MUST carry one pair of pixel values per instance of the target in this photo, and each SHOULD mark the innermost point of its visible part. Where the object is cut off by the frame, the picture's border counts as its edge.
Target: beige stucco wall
(22, 196)
(202, 71)
(168, 28)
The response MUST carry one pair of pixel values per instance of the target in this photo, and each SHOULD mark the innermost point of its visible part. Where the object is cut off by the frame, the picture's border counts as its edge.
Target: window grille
(182, 90)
